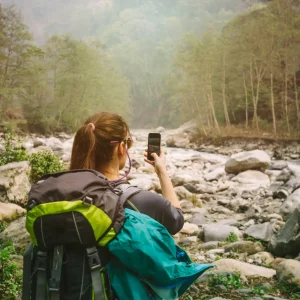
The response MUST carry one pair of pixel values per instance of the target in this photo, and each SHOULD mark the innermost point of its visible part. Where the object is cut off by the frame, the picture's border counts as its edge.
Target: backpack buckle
(93, 257)
(53, 285)
(88, 201)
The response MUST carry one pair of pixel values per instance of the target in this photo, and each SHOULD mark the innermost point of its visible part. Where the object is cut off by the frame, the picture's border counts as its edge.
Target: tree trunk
(224, 92)
(297, 102)
(246, 98)
(199, 111)
(212, 106)
(286, 100)
(272, 100)
(254, 120)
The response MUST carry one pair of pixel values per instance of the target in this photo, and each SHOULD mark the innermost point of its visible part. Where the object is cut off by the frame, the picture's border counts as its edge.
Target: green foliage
(44, 163)
(290, 289)
(12, 153)
(10, 275)
(3, 226)
(232, 237)
(230, 281)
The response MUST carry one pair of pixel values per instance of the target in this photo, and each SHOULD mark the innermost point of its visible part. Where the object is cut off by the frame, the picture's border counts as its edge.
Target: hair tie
(93, 126)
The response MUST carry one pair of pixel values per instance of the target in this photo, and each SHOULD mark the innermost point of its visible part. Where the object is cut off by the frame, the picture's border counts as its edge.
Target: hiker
(102, 144)
(94, 236)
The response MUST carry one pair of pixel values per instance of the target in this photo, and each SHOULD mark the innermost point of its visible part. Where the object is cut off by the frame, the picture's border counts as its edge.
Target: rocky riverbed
(242, 211)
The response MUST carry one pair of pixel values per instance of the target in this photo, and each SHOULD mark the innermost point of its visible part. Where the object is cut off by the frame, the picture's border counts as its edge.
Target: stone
(287, 240)
(160, 129)
(215, 232)
(278, 165)
(215, 174)
(287, 189)
(188, 241)
(287, 269)
(38, 142)
(252, 179)
(189, 228)
(290, 204)
(14, 182)
(262, 232)
(262, 258)
(197, 219)
(17, 233)
(270, 297)
(181, 179)
(250, 160)
(216, 251)
(200, 188)
(143, 182)
(10, 212)
(244, 247)
(231, 265)
(208, 245)
(182, 192)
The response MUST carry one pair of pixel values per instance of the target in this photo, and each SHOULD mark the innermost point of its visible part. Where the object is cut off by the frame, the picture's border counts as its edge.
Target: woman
(101, 144)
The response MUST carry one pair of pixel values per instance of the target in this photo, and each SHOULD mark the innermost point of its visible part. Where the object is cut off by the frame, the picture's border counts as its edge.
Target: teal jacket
(146, 262)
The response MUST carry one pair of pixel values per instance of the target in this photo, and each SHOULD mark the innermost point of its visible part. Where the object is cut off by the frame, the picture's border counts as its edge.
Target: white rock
(249, 160)
(10, 211)
(231, 265)
(189, 228)
(14, 179)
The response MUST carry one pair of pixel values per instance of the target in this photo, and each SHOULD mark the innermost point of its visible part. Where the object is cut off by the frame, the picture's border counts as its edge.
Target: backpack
(71, 217)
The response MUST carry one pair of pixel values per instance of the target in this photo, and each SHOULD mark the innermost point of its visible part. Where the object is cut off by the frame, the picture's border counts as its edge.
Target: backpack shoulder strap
(54, 282)
(127, 192)
(27, 260)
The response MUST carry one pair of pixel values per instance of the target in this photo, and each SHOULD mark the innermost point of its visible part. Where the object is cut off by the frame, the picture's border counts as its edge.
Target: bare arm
(161, 170)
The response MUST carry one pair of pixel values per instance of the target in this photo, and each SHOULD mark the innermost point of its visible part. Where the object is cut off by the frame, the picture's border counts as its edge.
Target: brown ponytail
(92, 147)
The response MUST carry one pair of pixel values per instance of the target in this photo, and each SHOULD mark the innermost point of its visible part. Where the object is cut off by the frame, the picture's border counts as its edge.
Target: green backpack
(71, 217)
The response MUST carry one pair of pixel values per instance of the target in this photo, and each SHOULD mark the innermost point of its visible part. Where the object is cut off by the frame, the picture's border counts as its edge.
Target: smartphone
(154, 140)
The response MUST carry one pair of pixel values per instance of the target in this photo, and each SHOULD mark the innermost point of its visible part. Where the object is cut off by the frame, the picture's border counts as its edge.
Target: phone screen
(153, 144)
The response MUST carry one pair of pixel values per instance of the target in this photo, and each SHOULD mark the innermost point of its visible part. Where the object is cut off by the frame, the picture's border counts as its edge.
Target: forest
(227, 63)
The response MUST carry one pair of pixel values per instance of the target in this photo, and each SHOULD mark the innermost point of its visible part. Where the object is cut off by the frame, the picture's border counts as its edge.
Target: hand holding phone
(154, 142)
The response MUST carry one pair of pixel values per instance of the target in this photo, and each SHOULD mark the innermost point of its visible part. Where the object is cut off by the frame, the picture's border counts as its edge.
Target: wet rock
(262, 232)
(250, 160)
(10, 211)
(215, 232)
(244, 247)
(17, 233)
(14, 182)
(287, 241)
(231, 265)
(287, 269)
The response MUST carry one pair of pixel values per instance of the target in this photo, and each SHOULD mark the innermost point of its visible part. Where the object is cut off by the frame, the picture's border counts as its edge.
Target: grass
(194, 199)
(232, 238)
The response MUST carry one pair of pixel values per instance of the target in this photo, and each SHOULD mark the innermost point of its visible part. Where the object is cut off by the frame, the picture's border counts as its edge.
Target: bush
(10, 274)
(232, 238)
(44, 163)
(230, 281)
(13, 153)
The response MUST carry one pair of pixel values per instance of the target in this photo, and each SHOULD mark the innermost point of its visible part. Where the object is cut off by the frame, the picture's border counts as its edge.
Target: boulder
(17, 233)
(249, 160)
(278, 165)
(263, 232)
(287, 270)
(216, 232)
(244, 247)
(250, 180)
(245, 269)
(262, 258)
(215, 174)
(189, 228)
(197, 219)
(287, 241)
(10, 211)
(182, 192)
(290, 204)
(143, 182)
(14, 182)
(287, 189)
(38, 142)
